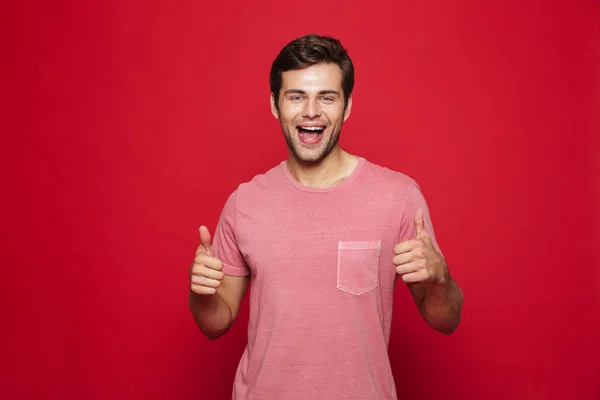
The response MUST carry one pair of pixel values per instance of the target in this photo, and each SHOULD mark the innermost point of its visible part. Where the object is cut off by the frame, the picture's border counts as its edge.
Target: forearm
(212, 315)
(442, 304)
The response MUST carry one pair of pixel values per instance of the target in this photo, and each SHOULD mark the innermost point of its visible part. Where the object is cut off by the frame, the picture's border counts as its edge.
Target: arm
(439, 304)
(218, 277)
(214, 297)
(422, 267)
(215, 313)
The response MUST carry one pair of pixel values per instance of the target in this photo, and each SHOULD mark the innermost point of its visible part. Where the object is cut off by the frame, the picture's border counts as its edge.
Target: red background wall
(127, 125)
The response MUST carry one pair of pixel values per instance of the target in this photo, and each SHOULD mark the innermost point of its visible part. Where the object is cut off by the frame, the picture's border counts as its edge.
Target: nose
(312, 109)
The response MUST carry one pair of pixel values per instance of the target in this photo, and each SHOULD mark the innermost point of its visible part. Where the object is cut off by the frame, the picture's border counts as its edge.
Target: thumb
(419, 223)
(205, 240)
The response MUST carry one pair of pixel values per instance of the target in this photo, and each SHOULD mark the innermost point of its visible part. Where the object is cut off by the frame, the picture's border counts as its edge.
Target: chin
(315, 156)
(306, 154)
(308, 158)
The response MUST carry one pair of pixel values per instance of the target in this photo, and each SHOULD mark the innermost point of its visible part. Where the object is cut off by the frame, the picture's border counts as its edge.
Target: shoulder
(389, 178)
(259, 185)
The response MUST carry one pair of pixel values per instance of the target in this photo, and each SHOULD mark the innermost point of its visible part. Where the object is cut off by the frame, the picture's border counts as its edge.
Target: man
(325, 236)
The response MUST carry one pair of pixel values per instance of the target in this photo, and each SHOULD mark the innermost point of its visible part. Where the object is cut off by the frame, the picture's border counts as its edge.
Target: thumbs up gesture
(206, 272)
(416, 260)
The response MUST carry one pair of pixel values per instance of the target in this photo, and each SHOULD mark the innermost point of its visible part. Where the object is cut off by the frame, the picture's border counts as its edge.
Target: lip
(311, 126)
(307, 141)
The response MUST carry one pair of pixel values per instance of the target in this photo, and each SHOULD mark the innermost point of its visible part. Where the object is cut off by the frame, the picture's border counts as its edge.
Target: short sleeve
(414, 201)
(225, 243)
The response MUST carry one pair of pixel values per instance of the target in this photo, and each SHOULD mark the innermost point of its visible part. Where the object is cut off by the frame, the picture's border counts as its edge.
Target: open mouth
(310, 134)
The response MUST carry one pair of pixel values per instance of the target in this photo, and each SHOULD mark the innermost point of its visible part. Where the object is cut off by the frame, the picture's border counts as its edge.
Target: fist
(206, 272)
(416, 260)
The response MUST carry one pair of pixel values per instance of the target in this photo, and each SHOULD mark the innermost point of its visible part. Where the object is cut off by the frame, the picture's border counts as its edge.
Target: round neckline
(343, 184)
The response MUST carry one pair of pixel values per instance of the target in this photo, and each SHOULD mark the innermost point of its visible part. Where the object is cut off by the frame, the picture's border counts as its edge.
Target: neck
(330, 171)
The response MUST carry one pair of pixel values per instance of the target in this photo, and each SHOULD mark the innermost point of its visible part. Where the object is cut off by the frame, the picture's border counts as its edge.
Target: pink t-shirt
(322, 280)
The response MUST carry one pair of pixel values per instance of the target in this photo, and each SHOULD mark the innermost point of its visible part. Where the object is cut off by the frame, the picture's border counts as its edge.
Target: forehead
(315, 77)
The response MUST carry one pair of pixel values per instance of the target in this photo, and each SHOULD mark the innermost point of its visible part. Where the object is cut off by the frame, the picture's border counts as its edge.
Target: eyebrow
(298, 91)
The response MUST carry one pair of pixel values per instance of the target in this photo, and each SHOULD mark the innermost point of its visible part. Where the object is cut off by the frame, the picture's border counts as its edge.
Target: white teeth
(312, 128)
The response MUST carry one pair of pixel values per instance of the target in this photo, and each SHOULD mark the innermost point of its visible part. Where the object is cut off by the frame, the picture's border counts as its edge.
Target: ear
(274, 110)
(348, 108)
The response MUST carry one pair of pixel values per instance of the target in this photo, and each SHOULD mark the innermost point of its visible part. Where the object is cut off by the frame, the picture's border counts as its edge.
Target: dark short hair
(310, 50)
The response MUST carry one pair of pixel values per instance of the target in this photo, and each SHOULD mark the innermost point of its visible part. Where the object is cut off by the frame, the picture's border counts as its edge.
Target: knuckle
(212, 263)
(208, 282)
(205, 271)
(197, 270)
(205, 290)
(197, 289)
(202, 282)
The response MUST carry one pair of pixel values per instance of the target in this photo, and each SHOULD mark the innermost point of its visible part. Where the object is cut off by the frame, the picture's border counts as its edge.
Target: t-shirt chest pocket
(358, 266)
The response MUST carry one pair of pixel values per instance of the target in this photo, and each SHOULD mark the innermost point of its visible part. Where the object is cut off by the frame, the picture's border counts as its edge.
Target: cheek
(335, 114)
(288, 121)
(288, 115)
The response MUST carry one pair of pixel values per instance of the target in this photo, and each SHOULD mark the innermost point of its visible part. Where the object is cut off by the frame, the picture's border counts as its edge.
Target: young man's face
(311, 110)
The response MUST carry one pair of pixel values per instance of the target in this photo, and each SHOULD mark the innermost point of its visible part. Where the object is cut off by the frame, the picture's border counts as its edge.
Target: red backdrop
(129, 123)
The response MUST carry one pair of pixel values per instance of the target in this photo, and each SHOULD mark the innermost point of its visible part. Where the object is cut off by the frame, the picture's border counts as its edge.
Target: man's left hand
(416, 260)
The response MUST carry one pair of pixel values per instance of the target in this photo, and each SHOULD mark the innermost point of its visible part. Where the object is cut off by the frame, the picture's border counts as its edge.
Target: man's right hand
(206, 272)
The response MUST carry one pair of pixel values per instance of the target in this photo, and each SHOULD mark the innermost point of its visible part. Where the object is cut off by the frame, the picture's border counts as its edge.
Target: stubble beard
(294, 146)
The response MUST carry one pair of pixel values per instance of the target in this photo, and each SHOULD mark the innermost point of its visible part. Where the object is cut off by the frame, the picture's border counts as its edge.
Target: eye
(327, 99)
(296, 98)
